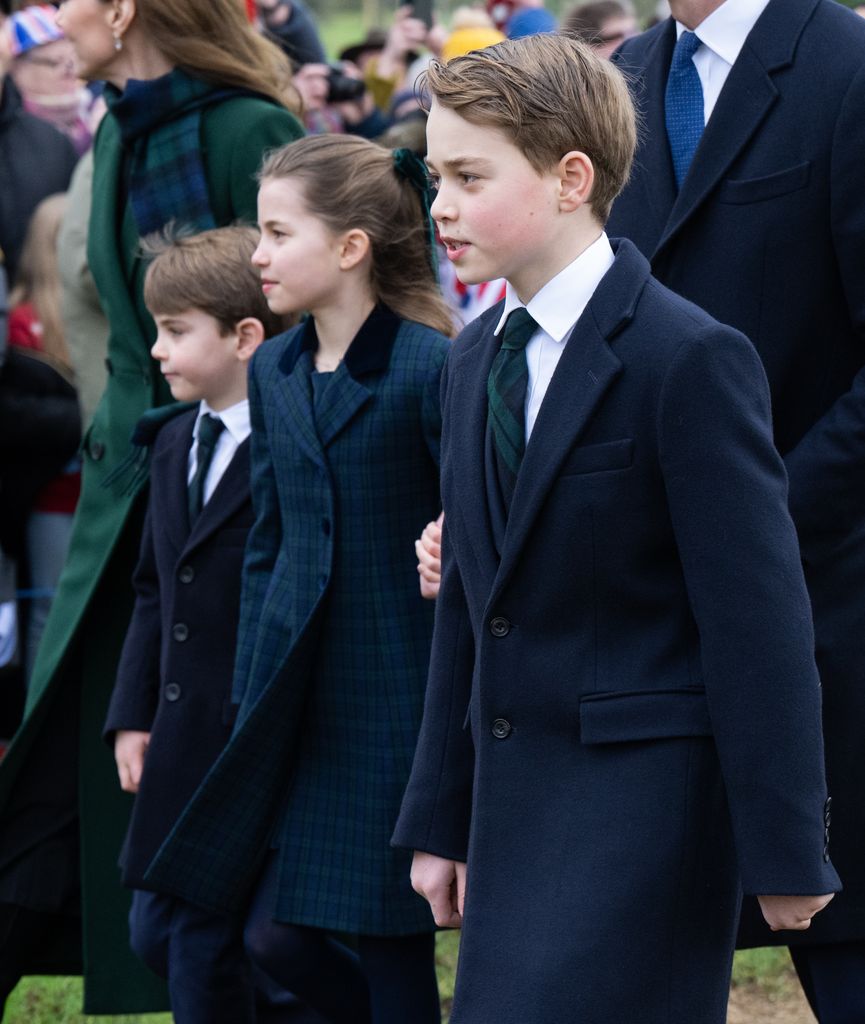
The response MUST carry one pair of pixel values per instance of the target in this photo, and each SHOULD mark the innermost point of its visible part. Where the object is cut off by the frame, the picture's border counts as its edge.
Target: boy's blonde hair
(211, 271)
(549, 94)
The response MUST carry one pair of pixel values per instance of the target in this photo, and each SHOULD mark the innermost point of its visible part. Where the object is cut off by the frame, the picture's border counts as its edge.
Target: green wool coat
(94, 598)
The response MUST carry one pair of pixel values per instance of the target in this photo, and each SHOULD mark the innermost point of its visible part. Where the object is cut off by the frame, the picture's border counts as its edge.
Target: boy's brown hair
(549, 94)
(211, 271)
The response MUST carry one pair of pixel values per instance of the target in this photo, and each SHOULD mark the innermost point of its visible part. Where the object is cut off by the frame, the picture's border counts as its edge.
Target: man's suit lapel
(230, 494)
(586, 370)
(745, 100)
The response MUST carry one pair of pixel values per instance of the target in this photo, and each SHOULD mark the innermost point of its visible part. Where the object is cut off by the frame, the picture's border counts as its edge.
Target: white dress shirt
(555, 309)
(237, 430)
(723, 35)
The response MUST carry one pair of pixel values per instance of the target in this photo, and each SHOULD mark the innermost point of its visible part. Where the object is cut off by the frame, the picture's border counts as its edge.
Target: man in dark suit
(755, 210)
(622, 678)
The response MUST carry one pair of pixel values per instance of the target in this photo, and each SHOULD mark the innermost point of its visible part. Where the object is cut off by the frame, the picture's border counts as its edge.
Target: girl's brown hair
(348, 183)
(214, 41)
(38, 277)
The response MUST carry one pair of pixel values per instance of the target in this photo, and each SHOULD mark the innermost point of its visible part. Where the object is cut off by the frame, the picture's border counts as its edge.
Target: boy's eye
(467, 178)
(433, 181)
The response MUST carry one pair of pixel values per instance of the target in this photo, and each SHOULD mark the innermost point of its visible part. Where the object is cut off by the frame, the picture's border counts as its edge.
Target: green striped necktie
(507, 385)
(209, 429)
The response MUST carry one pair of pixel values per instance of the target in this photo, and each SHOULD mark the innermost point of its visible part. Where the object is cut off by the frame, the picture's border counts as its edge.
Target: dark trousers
(383, 980)
(201, 956)
(833, 979)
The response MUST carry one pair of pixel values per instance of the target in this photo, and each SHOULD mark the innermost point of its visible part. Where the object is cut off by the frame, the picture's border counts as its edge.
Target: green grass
(58, 1000)
(341, 29)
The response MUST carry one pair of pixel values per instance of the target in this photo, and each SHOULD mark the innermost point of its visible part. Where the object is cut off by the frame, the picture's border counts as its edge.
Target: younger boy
(622, 725)
(171, 713)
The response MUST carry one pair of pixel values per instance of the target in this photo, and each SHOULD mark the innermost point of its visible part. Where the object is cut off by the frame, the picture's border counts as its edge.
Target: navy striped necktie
(507, 386)
(683, 105)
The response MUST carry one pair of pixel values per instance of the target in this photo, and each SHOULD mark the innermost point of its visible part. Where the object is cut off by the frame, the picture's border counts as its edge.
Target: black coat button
(186, 574)
(499, 626)
(180, 631)
(172, 692)
(97, 450)
(325, 527)
(501, 729)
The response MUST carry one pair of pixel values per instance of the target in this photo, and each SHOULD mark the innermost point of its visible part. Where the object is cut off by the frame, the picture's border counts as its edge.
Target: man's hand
(130, 747)
(429, 558)
(442, 883)
(792, 913)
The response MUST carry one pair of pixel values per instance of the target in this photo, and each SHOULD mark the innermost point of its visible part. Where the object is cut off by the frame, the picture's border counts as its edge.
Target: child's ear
(576, 178)
(250, 334)
(354, 246)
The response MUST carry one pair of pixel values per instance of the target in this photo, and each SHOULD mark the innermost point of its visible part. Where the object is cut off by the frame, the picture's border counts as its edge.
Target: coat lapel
(586, 370)
(231, 493)
(294, 394)
(171, 464)
(746, 99)
(467, 400)
(342, 398)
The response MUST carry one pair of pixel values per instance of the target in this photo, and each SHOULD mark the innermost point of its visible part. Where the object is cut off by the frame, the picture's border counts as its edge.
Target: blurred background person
(603, 24)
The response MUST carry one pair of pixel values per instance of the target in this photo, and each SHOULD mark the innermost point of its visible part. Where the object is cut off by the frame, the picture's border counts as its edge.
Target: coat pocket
(771, 186)
(596, 458)
(628, 716)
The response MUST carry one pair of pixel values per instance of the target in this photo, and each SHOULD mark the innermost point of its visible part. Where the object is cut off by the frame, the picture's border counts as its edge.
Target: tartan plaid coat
(333, 643)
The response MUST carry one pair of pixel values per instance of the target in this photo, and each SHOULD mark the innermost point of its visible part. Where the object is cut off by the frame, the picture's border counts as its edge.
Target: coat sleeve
(262, 546)
(436, 808)
(827, 467)
(136, 690)
(727, 494)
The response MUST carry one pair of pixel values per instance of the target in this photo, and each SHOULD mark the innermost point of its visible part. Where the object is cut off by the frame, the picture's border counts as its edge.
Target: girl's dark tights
(387, 980)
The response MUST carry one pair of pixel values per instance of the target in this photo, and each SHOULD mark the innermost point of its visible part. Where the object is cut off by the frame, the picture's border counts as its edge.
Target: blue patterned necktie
(507, 385)
(209, 429)
(683, 105)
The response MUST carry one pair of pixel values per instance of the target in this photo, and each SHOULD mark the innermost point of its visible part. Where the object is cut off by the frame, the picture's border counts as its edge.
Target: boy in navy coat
(171, 712)
(622, 726)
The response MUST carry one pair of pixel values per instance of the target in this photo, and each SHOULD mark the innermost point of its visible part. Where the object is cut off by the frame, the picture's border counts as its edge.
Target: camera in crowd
(342, 88)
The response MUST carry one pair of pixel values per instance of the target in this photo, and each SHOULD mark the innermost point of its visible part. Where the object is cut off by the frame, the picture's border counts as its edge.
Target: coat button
(325, 527)
(499, 626)
(180, 631)
(97, 450)
(186, 574)
(501, 729)
(172, 692)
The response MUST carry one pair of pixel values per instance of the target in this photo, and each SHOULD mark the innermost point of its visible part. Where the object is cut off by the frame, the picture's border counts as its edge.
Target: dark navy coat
(334, 639)
(174, 676)
(768, 235)
(622, 722)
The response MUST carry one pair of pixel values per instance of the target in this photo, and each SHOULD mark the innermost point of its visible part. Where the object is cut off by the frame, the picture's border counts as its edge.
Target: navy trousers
(833, 979)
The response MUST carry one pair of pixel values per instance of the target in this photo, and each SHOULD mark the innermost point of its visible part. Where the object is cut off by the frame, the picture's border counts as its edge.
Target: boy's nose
(439, 208)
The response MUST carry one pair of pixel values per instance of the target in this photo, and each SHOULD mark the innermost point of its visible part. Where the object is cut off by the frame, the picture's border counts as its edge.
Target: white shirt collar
(235, 418)
(727, 27)
(561, 301)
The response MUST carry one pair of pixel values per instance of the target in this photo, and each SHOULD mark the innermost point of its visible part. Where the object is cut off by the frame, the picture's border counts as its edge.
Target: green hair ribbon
(409, 165)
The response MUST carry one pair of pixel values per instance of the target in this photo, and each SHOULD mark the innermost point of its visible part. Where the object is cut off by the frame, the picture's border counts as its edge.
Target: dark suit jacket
(768, 235)
(643, 727)
(174, 677)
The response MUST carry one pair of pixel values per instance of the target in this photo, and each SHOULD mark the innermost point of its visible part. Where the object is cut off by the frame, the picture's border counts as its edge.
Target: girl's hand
(429, 553)
(130, 746)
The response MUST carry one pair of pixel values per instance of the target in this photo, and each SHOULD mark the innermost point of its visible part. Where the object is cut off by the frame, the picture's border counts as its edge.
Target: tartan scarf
(160, 128)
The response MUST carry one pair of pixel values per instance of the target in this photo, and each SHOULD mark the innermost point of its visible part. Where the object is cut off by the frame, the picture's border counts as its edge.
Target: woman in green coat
(195, 97)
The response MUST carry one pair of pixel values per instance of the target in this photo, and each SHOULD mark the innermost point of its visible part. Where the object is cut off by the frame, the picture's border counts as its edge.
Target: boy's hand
(429, 554)
(442, 883)
(792, 913)
(130, 747)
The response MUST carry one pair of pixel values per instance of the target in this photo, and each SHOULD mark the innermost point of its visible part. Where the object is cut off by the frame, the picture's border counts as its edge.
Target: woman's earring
(118, 43)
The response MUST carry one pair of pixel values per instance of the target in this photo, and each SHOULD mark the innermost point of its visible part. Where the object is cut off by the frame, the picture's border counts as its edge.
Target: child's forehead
(453, 140)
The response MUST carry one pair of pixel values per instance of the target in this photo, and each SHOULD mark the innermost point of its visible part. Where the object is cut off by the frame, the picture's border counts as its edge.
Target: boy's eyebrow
(456, 163)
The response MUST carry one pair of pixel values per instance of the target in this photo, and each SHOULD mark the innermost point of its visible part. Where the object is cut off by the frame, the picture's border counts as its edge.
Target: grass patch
(58, 1000)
